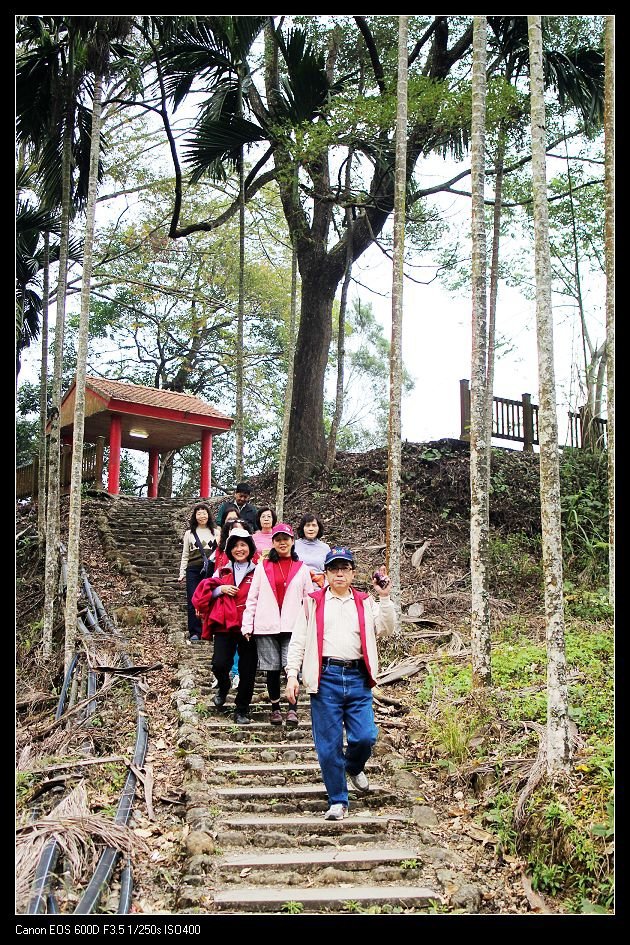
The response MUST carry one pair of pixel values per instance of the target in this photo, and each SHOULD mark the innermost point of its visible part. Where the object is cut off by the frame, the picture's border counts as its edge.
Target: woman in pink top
(265, 520)
(276, 598)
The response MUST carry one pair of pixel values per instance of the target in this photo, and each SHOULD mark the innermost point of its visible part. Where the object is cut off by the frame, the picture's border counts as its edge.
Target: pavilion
(147, 419)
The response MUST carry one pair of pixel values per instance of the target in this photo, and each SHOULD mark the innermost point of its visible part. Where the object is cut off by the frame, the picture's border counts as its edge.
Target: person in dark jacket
(220, 602)
(246, 510)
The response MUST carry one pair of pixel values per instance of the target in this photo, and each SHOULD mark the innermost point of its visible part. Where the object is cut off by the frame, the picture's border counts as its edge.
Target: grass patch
(567, 837)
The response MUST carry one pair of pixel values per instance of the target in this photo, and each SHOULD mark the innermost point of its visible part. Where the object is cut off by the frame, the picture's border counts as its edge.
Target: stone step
(323, 866)
(265, 768)
(229, 749)
(289, 798)
(244, 899)
(254, 731)
(266, 831)
(268, 774)
(307, 823)
(267, 752)
(327, 857)
(297, 791)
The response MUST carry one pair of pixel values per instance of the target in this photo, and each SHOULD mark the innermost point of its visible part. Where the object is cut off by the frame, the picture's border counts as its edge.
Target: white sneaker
(336, 812)
(214, 683)
(359, 780)
(235, 681)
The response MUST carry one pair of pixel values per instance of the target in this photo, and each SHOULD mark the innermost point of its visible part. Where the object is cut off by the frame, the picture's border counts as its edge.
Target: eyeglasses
(340, 567)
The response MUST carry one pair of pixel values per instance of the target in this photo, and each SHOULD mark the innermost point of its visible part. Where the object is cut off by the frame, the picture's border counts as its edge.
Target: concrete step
(247, 899)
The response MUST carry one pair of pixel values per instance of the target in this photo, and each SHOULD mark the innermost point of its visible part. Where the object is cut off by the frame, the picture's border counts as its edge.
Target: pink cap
(282, 529)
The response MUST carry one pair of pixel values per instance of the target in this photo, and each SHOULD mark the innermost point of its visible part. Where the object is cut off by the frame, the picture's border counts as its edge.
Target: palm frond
(220, 141)
(578, 77)
(77, 831)
(306, 88)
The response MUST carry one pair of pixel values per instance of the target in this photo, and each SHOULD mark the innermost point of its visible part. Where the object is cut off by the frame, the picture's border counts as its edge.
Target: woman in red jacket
(220, 602)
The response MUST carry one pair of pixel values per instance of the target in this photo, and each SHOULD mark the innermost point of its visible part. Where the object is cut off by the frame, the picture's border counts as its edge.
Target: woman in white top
(190, 567)
(310, 549)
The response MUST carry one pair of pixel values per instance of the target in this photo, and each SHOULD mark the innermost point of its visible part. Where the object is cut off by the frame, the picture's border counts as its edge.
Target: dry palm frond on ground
(79, 834)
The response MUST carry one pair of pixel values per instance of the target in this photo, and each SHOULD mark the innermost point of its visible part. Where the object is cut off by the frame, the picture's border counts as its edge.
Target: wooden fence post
(528, 424)
(464, 401)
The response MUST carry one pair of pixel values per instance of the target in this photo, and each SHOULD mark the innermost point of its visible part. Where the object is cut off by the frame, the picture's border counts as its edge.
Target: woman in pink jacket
(276, 598)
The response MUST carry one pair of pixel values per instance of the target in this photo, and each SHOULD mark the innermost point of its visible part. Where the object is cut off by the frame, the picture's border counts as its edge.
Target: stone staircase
(255, 837)
(147, 534)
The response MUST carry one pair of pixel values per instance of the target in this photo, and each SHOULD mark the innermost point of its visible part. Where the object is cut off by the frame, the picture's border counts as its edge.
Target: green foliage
(292, 907)
(589, 605)
(569, 847)
(514, 563)
(412, 864)
(584, 503)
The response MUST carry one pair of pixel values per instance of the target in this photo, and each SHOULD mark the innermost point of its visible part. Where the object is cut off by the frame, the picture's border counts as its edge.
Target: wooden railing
(26, 477)
(518, 420)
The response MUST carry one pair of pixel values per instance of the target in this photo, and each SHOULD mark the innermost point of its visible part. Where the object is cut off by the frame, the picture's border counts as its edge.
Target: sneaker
(195, 638)
(241, 717)
(292, 719)
(276, 717)
(219, 699)
(235, 681)
(336, 812)
(214, 683)
(359, 780)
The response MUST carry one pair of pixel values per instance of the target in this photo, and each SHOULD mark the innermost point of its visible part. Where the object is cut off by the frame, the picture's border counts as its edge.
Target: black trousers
(225, 646)
(194, 577)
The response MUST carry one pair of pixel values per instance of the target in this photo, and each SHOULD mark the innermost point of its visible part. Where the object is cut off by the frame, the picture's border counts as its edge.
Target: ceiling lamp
(140, 434)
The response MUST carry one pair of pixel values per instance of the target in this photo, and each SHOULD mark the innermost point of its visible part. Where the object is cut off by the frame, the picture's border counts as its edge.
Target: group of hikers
(271, 603)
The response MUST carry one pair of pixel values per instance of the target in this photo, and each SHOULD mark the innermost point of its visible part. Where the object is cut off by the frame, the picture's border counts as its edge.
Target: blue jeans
(344, 699)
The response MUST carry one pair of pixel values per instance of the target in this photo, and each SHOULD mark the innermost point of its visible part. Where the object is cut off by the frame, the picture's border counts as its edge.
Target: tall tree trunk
(288, 394)
(479, 442)
(591, 355)
(609, 156)
(52, 505)
(74, 525)
(165, 480)
(43, 403)
(307, 442)
(341, 333)
(499, 166)
(558, 739)
(239, 419)
(394, 446)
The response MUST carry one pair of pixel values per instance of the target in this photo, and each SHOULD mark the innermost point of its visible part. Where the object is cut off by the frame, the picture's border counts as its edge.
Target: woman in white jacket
(276, 598)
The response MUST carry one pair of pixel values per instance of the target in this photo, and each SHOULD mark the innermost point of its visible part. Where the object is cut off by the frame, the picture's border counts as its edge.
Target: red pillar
(154, 472)
(115, 436)
(206, 459)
